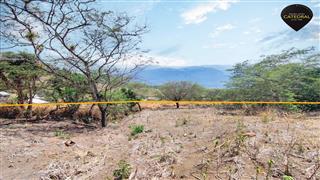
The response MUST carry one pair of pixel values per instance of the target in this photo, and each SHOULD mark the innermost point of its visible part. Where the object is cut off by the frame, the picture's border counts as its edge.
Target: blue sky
(186, 33)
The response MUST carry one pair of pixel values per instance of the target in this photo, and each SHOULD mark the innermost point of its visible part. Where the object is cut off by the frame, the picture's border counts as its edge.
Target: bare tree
(102, 45)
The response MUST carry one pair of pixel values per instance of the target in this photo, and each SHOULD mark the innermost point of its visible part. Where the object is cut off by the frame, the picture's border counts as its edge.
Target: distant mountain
(211, 76)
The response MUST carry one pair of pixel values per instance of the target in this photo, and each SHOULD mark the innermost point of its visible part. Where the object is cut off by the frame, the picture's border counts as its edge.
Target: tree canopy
(292, 75)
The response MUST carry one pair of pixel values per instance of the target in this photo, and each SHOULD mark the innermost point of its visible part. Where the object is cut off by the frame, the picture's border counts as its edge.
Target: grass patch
(123, 171)
(61, 134)
(287, 177)
(267, 116)
(136, 129)
(181, 122)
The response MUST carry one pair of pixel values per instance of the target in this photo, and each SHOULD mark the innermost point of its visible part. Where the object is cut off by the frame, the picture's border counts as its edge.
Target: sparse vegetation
(269, 169)
(181, 90)
(285, 177)
(94, 50)
(228, 147)
(123, 171)
(279, 77)
(61, 134)
(78, 52)
(136, 129)
(181, 122)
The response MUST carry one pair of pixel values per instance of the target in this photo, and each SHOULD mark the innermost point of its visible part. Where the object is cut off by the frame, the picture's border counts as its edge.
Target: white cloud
(221, 29)
(317, 35)
(179, 27)
(255, 20)
(275, 11)
(315, 3)
(150, 59)
(225, 27)
(253, 30)
(219, 45)
(143, 8)
(197, 15)
(200, 12)
(168, 61)
(227, 45)
(315, 20)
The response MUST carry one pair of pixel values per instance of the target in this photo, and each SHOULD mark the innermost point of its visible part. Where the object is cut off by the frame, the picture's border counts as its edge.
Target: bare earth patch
(201, 143)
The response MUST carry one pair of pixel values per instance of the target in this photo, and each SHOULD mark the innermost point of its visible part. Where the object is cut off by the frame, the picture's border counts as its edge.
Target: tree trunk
(29, 109)
(20, 98)
(139, 107)
(96, 96)
(91, 110)
(103, 116)
(177, 104)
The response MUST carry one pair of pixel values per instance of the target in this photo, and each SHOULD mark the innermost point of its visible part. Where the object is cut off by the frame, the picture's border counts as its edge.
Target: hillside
(202, 143)
(207, 76)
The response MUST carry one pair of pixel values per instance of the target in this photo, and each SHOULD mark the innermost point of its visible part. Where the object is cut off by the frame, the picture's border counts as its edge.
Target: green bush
(292, 75)
(123, 171)
(118, 111)
(287, 177)
(61, 134)
(10, 112)
(136, 129)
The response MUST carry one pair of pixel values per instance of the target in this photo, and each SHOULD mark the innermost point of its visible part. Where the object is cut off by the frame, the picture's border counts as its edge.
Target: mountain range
(210, 76)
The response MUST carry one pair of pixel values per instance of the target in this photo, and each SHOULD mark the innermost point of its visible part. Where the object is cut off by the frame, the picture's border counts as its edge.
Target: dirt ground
(200, 143)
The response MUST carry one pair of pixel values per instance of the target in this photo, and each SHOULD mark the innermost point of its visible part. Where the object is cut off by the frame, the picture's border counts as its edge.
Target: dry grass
(199, 143)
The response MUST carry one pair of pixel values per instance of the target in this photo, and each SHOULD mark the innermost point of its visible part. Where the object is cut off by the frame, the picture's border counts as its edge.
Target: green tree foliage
(19, 73)
(143, 91)
(68, 91)
(221, 94)
(181, 90)
(130, 95)
(79, 36)
(62, 90)
(116, 111)
(292, 75)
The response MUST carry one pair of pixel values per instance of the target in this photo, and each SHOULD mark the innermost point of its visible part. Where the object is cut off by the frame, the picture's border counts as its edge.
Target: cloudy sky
(185, 33)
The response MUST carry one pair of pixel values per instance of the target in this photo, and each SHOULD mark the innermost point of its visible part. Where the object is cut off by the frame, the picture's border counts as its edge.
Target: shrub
(136, 129)
(287, 177)
(181, 122)
(10, 112)
(123, 171)
(61, 134)
(270, 164)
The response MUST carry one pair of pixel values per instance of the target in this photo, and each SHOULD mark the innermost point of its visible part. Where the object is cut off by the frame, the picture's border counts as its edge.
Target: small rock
(91, 154)
(133, 174)
(249, 134)
(202, 149)
(178, 149)
(69, 143)
(166, 174)
(77, 172)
